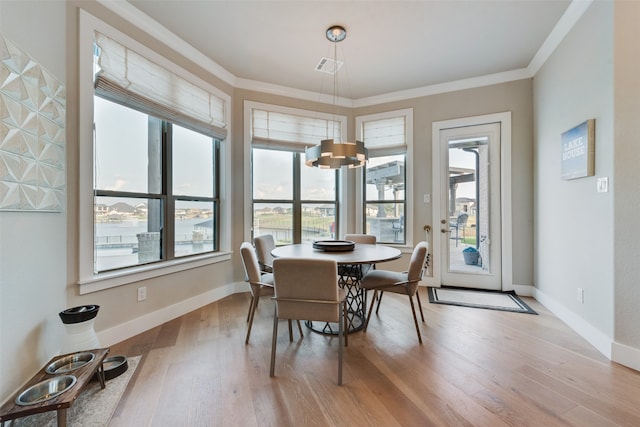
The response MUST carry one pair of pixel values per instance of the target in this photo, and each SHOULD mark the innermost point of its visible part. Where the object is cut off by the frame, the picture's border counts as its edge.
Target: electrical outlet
(580, 295)
(142, 293)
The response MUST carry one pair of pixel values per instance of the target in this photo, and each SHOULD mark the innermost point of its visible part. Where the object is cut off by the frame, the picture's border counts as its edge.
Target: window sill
(109, 280)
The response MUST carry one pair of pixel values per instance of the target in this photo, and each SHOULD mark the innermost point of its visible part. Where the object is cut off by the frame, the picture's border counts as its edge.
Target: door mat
(475, 298)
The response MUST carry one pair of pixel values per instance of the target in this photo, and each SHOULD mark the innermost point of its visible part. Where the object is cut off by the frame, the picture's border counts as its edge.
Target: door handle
(444, 230)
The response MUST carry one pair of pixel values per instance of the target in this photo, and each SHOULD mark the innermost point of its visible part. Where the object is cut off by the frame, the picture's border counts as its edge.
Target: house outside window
(387, 136)
(160, 200)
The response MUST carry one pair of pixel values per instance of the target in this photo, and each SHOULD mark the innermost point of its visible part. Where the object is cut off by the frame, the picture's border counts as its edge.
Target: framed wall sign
(578, 151)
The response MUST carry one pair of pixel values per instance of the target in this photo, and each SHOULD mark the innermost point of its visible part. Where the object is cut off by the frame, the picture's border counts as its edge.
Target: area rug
(492, 300)
(94, 406)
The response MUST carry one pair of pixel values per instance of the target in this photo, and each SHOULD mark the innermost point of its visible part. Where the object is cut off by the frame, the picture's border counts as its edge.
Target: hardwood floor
(475, 368)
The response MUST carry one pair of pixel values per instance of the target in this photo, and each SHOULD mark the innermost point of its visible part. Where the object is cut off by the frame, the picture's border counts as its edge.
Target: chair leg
(346, 322)
(252, 312)
(340, 345)
(250, 307)
(379, 301)
(300, 329)
(373, 300)
(419, 304)
(273, 342)
(415, 319)
(290, 331)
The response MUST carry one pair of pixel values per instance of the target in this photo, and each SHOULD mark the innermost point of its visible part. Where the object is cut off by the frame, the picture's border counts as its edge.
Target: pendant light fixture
(332, 154)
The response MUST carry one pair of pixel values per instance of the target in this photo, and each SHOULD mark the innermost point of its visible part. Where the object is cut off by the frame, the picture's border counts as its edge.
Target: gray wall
(574, 242)
(627, 160)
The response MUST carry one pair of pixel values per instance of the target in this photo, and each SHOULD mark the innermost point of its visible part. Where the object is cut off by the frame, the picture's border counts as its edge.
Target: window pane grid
(385, 197)
(134, 227)
(309, 211)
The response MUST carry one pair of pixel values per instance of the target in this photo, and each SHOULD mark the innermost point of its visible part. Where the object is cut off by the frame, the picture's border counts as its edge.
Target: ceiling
(391, 46)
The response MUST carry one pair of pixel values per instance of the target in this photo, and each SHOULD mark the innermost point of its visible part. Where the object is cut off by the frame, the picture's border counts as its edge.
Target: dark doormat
(477, 298)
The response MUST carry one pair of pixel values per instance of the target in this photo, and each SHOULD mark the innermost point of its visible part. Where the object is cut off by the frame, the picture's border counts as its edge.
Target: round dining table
(352, 266)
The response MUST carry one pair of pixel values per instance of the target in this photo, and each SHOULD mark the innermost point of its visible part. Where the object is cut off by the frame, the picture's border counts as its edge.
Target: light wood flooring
(476, 368)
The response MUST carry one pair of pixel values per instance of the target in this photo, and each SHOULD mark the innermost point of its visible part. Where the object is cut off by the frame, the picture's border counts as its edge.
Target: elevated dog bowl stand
(11, 410)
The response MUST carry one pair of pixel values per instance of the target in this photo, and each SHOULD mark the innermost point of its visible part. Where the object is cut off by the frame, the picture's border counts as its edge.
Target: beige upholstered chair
(264, 245)
(401, 283)
(357, 270)
(259, 282)
(361, 238)
(308, 289)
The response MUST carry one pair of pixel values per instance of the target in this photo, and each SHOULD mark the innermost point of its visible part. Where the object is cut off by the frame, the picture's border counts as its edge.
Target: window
(291, 201)
(384, 179)
(160, 200)
(153, 183)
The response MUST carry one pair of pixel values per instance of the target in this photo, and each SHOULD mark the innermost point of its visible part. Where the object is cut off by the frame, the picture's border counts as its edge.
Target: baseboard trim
(141, 324)
(625, 355)
(523, 290)
(600, 341)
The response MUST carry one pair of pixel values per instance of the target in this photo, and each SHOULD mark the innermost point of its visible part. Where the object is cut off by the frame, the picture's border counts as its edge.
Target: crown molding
(453, 86)
(274, 89)
(566, 22)
(152, 27)
(155, 29)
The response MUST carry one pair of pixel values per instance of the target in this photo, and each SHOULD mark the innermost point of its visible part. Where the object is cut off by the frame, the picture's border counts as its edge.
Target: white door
(469, 218)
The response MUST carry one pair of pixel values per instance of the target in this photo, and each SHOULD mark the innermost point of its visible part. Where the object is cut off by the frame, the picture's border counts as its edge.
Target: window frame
(407, 150)
(166, 195)
(249, 106)
(89, 281)
(296, 201)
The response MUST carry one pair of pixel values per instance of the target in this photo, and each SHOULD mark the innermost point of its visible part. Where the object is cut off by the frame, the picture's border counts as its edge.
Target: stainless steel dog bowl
(45, 390)
(69, 363)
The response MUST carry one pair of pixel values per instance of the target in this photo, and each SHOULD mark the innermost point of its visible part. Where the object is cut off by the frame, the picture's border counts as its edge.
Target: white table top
(361, 254)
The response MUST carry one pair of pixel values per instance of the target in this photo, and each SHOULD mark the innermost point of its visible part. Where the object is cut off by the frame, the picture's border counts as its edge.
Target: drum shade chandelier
(332, 154)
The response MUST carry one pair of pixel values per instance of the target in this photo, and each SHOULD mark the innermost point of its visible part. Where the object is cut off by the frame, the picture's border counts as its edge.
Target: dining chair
(307, 288)
(358, 270)
(259, 283)
(361, 238)
(405, 283)
(459, 224)
(264, 245)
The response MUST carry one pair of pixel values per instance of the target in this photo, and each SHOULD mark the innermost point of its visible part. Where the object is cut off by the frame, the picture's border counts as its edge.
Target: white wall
(573, 223)
(32, 245)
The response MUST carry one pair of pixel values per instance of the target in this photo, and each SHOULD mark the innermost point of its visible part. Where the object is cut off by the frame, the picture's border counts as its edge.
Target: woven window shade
(126, 77)
(290, 132)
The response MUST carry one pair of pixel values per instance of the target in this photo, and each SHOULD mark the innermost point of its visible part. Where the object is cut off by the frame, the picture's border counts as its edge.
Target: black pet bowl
(79, 314)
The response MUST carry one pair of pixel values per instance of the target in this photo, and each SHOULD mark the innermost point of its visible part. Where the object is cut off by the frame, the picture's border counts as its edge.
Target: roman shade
(275, 130)
(128, 78)
(385, 134)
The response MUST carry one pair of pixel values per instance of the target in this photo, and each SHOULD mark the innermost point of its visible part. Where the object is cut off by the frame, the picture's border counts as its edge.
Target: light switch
(427, 198)
(602, 184)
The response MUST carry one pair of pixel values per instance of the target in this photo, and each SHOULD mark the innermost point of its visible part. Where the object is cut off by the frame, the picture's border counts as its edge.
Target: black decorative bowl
(334, 245)
(79, 314)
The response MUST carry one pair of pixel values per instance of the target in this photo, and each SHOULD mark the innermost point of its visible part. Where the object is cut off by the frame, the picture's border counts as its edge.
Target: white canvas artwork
(32, 134)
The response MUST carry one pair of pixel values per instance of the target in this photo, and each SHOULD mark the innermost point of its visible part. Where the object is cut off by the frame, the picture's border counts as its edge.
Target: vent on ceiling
(328, 65)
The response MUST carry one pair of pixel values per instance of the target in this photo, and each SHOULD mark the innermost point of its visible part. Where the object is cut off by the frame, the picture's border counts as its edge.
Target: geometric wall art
(32, 134)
